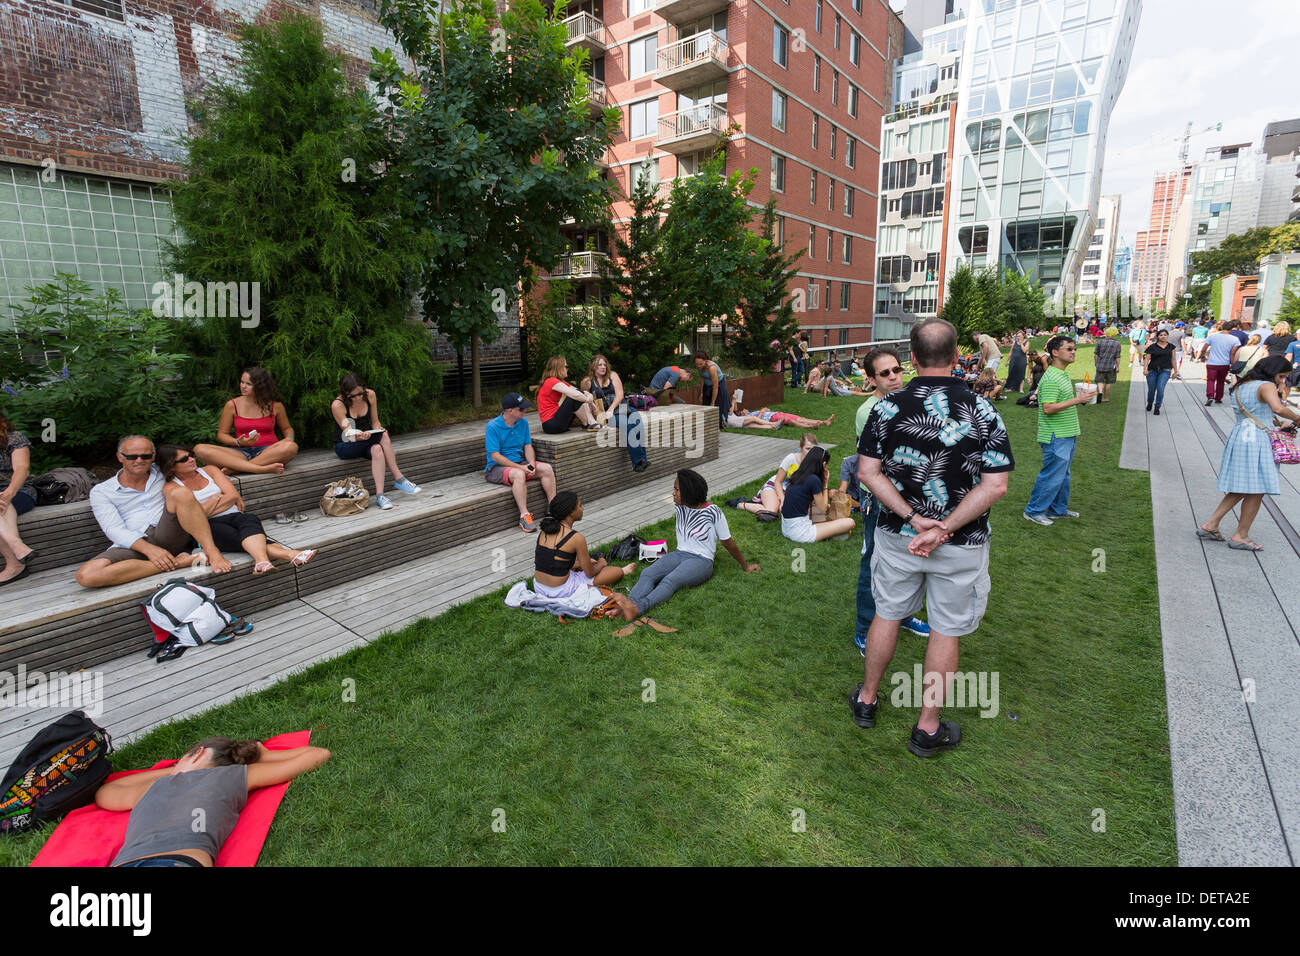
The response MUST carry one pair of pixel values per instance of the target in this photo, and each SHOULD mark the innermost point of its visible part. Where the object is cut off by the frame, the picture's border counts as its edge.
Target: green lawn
(486, 709)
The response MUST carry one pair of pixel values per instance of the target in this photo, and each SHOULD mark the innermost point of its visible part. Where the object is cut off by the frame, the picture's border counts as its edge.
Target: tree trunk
(476, 381)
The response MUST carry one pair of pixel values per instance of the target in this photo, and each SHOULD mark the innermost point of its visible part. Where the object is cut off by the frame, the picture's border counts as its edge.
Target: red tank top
(265, 429)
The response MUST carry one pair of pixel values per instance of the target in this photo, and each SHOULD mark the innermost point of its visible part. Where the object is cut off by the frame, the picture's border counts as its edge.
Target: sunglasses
(184, 458)
(896, 370)
(356, 394)
(148, 457)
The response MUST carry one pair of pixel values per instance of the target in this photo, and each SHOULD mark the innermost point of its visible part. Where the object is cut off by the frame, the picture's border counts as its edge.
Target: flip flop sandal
(263, 567)
(656, 626)
(627, 629)
(767, 516)
(1209, 535)
(200, 559)
(302, 557)
(1239, 546)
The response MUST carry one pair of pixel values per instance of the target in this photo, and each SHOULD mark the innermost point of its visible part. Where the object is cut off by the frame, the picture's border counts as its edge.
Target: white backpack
(187, 613)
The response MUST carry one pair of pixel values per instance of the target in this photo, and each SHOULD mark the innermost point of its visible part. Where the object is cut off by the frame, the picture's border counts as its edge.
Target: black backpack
(626, 550)
(57, 772)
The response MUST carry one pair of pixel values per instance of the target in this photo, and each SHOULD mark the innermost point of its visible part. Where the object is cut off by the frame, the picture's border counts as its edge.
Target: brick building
(1151, 247)
(805, 85)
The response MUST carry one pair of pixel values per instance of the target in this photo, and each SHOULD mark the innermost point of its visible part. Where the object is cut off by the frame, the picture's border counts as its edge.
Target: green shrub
(88, 369)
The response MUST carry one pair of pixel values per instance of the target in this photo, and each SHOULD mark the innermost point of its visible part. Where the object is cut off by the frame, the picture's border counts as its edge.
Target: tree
(555, 326)
(282, 192)
(964, 304)
(707, 245)
(644, 296)
(1289, 311)
(497, 147)
(992, 302)
(1238, 253)
(767, 312)
(1283, 238)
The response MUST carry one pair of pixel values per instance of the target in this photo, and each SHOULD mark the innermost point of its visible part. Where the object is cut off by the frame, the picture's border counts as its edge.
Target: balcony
(679, 11)
(586, 314)
(597, 95)
(688, 131)
(587, 32)
(698, 59)
(580, 265)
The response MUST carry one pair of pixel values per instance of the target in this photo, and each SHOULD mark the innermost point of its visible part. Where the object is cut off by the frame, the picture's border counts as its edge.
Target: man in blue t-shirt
(511, 459)
(664, 380)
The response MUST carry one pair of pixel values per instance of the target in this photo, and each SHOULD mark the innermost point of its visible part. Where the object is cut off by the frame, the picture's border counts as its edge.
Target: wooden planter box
(760, 390)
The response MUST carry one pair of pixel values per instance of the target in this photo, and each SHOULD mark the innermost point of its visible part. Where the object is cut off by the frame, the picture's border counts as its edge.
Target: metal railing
(584, 26)
(904, 347)
(696, 48)
(708, 118)
(580, 265)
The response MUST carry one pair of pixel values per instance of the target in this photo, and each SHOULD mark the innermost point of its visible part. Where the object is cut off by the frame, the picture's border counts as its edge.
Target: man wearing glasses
(150, 535)
(1058, 431)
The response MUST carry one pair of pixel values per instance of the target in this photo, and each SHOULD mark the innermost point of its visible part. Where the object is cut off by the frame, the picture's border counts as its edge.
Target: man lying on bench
(150, 534)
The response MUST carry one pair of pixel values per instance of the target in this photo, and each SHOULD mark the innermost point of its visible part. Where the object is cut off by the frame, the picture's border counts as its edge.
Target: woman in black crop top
(563, 565)
(160, 829)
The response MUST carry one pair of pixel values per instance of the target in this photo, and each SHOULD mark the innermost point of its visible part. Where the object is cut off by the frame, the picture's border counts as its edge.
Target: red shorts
(500, 474)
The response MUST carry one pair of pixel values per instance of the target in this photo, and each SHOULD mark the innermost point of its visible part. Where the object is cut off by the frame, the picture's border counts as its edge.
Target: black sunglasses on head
(148, 457)
(357, 394)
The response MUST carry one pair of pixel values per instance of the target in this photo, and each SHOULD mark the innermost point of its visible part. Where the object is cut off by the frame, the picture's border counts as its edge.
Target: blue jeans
(866, 600)
(1051, 492)
(1156, 382)
(630, 428)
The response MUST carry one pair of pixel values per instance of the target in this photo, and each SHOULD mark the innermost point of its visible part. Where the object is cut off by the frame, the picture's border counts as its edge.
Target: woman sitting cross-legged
(807, 488)
(215, 774)
(700, 526)
(563, 565)
(247, 429)
(232, 529)
(559, 403)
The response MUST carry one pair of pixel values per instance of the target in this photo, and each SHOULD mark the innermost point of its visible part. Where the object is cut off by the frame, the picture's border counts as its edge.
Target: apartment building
(1099, 259)
(795, 90)
(1151, 245)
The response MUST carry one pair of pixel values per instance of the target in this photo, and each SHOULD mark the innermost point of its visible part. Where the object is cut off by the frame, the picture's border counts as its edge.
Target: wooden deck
(139, 694)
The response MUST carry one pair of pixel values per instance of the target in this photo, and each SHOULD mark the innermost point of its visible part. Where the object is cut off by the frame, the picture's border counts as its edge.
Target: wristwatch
(910, 516)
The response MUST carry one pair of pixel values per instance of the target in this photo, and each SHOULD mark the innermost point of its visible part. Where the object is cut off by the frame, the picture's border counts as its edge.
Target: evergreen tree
(767, 312)
(282, 191)
(643, 296)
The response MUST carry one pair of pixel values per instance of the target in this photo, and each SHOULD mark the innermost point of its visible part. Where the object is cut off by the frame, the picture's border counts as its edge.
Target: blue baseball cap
(515, 400)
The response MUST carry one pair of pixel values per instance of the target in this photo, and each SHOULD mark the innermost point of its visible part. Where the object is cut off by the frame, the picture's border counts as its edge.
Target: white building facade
(1099, 259)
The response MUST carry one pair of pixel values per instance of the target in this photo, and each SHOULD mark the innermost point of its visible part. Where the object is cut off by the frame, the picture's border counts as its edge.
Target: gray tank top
(186, 811)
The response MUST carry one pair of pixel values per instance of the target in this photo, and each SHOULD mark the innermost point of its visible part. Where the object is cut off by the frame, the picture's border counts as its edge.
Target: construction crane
(1188, 134)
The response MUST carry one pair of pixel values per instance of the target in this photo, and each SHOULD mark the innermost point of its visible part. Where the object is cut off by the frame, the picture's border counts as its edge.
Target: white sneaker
(385, 504)
(1039, 519)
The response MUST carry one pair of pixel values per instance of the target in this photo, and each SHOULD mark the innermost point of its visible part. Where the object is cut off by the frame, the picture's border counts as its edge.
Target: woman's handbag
(1285, 450)
(345, 497)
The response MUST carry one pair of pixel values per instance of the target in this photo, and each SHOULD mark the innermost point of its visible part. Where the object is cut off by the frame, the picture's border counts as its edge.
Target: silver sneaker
(1039, 519)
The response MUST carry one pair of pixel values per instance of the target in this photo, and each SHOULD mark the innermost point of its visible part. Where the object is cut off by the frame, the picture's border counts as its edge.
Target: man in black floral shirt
(936, 457)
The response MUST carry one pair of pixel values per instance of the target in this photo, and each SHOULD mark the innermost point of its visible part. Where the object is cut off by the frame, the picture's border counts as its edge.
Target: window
(835, 86)
(830, 198)
(848, 250)
(853, 101)
(857, 6)
(812, 188)
(855, 48)
(644, 116)
(922, 202)
(830, 244)
(844, 295)
(781, 46)
(814, 299)
(850, 151)
(894, 269)
(812, 242)
(780, 231)
(848, 200)
(900, 174)
(838, 21)
(778, 173)
(643, 54)
(105, 8)
(819, 16)
(639, 6)
(817, 123)
(646, 170)
(817, 73)
(974, 239)
(833, 132)
(778, 110)
(844, 336)
(827, 306)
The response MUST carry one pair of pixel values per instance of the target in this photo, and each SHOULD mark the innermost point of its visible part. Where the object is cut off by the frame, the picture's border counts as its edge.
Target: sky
(1208, 61)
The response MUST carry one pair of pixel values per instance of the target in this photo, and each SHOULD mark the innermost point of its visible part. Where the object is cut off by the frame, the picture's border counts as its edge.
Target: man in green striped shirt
(1058, 431)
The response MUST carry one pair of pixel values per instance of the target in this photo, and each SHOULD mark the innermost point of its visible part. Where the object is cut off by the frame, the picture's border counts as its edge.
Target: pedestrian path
(1229, 624)
(133, 694)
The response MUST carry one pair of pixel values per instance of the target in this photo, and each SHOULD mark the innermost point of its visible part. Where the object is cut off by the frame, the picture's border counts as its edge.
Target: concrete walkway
(1231, 649)
(132, 695)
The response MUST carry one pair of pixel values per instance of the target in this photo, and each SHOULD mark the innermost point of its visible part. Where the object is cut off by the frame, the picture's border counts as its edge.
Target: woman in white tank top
(232, 528)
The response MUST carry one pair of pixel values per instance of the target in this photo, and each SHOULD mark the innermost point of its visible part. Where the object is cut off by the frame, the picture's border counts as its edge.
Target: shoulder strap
(1236, 394)
(559, 544)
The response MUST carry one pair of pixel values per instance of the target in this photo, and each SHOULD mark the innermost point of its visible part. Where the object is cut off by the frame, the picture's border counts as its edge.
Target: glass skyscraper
(1038, 82)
